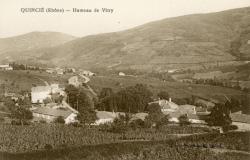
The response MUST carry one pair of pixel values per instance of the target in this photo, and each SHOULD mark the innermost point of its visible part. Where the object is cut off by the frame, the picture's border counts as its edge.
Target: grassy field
(16, 81)
(175, 89)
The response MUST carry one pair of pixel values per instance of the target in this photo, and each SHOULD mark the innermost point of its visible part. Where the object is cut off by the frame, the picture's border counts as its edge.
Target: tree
(120, 124)
(233, 105)
(78, 99)
(72, 95)
(132, 99)
(183, 120)
(87, 116)
(21, 114)
(219, 116)
(9, 103)
(163, 95)
(106, 92)
(154, 115)
(60, 119)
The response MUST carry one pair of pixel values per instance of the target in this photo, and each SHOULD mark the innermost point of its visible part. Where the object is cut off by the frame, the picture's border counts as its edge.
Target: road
(45, 82)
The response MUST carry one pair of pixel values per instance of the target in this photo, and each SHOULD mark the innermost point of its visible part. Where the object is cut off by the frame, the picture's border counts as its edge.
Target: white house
(74, 81)
(121, 74)
(40, 93)
(175, 111)
(166, 105)
(50, 114)
(88, 73)
(106, 117)
(6, 67)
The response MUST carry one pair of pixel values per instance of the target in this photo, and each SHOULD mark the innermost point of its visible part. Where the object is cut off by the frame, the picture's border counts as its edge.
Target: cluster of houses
(44, 106)
(61, 71)
(49, 112)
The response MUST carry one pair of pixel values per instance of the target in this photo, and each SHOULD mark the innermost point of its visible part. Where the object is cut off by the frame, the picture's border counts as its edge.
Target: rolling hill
(30, 41)
(169, 43)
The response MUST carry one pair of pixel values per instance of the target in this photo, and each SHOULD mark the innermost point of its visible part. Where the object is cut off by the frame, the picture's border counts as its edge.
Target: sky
(126, 14)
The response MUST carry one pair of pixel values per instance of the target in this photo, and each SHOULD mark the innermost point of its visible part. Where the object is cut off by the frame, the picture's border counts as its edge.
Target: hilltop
(9, 47)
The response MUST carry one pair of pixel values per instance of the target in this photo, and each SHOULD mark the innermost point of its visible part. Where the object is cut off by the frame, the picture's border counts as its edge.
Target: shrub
(60, 119)
(183, 120)
(42, 121)
(48, 146)
(229, 128)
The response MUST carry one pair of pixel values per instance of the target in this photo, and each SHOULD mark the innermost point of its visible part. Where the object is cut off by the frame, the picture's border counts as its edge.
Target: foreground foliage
(128, 151)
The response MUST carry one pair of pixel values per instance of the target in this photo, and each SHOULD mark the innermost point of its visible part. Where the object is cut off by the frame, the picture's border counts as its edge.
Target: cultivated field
(175, 89)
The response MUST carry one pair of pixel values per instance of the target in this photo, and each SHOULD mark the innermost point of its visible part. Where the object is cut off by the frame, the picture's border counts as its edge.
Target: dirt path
(91, 90)
(45, 82)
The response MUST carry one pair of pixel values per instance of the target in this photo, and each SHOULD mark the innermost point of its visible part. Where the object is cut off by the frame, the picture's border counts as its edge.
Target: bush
(60, 119)
(2, 119)
(76, 124)
(48, 146)
(229, 128)
(42, 121)
(183, 120)
(138, 123)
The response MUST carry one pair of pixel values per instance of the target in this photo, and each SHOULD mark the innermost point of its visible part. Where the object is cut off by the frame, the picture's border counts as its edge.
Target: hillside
(169, 43)
(34, 40)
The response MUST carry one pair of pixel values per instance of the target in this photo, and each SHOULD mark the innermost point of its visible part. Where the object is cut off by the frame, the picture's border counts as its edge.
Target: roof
(108, 115)
(4, 66)
(52, 112)
(166, 104)
(243, 118)
(41, 89)
(204, 102)
(141, 116)
(187, 108)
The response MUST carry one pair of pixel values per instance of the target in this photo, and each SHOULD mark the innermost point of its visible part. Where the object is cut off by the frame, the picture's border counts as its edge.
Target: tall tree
(163, 95)
(219, 116)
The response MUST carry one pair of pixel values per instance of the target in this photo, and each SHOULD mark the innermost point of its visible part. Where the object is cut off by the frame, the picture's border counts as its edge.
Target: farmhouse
(175, 111)
(74, 81)
(50, 114)
(88, 73)
(121, 74)
(166, 106)
(6, 67)
(40, 93)
(106, 117)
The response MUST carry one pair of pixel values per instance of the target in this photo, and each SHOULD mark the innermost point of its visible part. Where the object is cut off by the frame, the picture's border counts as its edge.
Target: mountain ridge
(197, 38)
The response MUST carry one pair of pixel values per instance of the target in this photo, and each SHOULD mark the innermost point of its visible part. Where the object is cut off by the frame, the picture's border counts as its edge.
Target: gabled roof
(141, 116)
(108, 115)
(164, 104)
(52, 112)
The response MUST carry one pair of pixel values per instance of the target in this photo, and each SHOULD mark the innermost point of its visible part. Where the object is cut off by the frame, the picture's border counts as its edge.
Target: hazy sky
(127, 14)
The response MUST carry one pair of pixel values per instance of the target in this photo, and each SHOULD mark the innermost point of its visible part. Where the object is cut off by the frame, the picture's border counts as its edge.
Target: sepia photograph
(125, 80)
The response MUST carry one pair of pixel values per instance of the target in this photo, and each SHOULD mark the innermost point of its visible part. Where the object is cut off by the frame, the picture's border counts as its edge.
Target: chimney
(170, 100)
